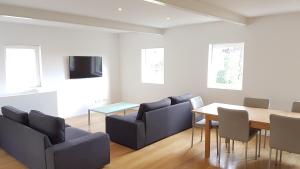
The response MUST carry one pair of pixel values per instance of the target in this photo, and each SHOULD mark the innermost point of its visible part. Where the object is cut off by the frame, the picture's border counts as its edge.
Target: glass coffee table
(111, 108)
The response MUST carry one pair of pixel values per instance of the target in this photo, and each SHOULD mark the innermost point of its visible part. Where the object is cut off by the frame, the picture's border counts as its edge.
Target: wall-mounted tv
(85, 67)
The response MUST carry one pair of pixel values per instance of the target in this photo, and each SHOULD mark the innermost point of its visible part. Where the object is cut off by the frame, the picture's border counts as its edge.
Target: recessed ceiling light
(156, 2)
(15, 17)
(168, 18)
(120, 9)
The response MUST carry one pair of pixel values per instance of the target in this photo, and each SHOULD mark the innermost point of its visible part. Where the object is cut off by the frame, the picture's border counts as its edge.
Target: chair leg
(220, 144)
(280, 157)
(228, 150)
(256, 142)
(259, 143)
(217, 136)
(193, 127)
(265, 140)
(270, 156)
(276, 157)
(246, 153)
(232, 145)
(201, 136)
(192, 143)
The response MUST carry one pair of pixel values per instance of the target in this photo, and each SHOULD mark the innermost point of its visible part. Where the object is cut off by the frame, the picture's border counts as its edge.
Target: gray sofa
(77, 149)
(158, 120)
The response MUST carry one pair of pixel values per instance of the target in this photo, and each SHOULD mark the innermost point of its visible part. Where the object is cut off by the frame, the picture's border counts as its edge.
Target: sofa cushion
(180, 99)
(73, 133)
(145, 107)
(53, 127)
(15, 114)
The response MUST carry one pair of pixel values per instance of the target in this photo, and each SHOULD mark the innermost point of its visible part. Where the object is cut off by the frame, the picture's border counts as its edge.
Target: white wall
(44, 102)
(73, 96)
(271, 67)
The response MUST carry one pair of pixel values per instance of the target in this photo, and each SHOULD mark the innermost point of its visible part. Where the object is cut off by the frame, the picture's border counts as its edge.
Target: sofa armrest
(126, 130)
(23, 143)
(87, 152)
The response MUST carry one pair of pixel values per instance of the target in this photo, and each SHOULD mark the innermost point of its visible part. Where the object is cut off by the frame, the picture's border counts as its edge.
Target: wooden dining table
(259, 118)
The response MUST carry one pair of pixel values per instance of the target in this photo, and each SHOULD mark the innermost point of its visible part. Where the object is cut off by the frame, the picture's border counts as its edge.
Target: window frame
(38, 64)
(210, 80)
(141, 68)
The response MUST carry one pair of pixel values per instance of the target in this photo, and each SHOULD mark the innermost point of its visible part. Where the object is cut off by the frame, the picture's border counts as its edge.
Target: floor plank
(171, 153)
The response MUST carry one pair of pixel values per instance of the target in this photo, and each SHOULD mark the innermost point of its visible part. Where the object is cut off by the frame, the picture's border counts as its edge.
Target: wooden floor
(171, 153)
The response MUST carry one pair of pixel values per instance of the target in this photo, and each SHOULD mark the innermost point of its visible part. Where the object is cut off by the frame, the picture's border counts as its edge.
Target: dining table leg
(207, 136)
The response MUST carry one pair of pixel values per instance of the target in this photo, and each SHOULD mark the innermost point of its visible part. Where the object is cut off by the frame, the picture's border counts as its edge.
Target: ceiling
(147, 15)
(254, 8)
(133, 11)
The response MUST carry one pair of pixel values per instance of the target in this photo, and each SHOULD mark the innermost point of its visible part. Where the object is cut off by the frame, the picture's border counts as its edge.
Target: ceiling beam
(204, 8)
(39, 14)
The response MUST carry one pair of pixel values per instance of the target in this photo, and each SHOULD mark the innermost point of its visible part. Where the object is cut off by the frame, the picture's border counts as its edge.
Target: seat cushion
(145, 107)
(180, 99)
(53, 127)
(73, 133)
(15, 114)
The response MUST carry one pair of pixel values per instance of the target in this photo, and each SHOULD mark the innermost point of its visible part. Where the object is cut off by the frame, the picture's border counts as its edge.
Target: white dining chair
(199, 121)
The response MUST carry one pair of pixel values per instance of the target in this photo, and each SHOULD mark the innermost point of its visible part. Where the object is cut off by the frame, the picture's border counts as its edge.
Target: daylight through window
(22, 65)
(153, 66)
(225, 66)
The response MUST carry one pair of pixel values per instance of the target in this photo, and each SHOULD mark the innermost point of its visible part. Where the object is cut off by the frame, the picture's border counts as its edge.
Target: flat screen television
(85, 67)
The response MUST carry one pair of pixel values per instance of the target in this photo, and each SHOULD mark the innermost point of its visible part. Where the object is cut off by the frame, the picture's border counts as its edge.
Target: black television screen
(85, 66)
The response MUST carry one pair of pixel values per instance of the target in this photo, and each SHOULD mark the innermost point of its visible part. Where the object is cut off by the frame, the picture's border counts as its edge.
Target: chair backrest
(256, 103)
(234, 124)
(296, 107)
(197, 102)
(284, 133)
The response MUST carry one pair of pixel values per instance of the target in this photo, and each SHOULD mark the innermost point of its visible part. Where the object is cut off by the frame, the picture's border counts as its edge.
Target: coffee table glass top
(110, 108)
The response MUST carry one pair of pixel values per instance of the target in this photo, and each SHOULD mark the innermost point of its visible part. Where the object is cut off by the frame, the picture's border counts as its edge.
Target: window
(153, 66)
(225, 66)
(22, 65)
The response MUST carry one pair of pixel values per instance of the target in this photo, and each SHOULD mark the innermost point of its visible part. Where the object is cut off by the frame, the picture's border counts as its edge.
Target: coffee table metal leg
(89, 117)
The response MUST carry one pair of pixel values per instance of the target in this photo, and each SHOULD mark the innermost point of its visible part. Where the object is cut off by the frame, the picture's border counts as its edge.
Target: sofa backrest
(167, 121)
(24, 143)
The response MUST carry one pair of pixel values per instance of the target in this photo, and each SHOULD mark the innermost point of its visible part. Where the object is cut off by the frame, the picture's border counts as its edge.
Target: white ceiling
(253, 8)
(147, 14)
(134, 11)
